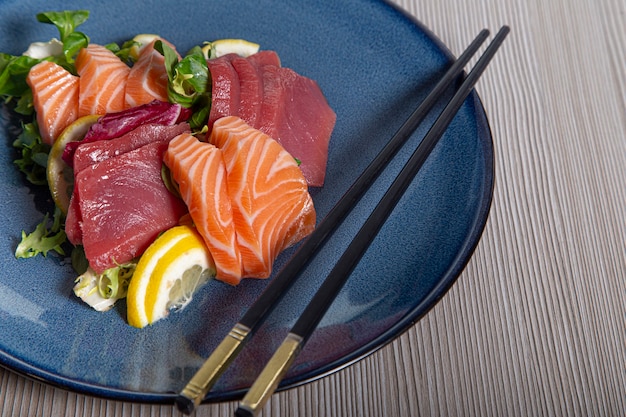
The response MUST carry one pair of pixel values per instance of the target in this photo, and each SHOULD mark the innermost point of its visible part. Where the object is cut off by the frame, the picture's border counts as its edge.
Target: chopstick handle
(269, 379)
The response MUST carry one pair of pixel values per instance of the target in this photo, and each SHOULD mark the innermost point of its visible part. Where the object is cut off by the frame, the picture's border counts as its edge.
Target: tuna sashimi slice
(251, 89)
(272, 208)
(55, 98)
(237, 85)
(224, 88)
(90, 153)
(296, 114)
(124, 206)
(102, 81)
(114, 125)
(262, 58)
(198, 169)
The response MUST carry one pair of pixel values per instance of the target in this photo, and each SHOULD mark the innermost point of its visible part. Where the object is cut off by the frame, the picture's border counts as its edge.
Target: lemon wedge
(169, 272)
(60, 175)
(222, 47)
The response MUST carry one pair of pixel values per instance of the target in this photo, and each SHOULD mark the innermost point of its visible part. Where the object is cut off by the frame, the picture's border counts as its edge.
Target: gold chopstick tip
(268, 380)
(204, 379)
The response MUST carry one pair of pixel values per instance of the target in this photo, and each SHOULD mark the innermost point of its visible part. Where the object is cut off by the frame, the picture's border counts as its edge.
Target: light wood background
(536, 324)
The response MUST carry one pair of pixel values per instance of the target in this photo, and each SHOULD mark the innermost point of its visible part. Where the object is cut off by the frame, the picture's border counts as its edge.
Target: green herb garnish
(189, 82)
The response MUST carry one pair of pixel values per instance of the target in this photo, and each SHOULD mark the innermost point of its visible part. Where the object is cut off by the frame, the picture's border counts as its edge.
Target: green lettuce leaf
(101, 291)
(189, 82)
(33, 154)
(45, 238)
(113, 283)
(66, 22)
(13, 72)
(123, 52)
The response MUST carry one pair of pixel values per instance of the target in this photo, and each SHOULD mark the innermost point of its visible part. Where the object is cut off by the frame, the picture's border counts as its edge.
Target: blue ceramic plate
(374, 64)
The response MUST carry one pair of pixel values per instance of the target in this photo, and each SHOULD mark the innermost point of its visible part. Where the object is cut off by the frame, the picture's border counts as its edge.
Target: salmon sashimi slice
(103, 79)
(55, 98)
(198, 169)
(147, 80)
(272, 208)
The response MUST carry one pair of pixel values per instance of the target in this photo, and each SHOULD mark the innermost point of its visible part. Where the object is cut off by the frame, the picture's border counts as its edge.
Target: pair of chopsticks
(269, 379)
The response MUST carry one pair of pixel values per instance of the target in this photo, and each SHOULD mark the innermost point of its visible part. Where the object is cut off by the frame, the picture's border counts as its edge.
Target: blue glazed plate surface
(374, 64)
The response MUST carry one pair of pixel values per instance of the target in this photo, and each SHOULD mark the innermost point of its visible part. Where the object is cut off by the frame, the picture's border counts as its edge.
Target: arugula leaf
(45, 238)
(113, 283)
(123, 52)
(66, 22)
(34, 154)
(13, 72)
(189, 82)
(71, 45)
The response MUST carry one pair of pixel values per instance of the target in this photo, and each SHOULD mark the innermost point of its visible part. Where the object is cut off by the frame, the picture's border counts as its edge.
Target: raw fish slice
(251, 90)
(272, 208)
(225, 88)
(293, 109)
(124, 206)
(103, 79)
(296, 114)
(273, 98)
(55, 98)
(147, 80)
(262, 58)
(88, 154)
(237, 90)
(72, 227)
(114, 125)
(198, 169)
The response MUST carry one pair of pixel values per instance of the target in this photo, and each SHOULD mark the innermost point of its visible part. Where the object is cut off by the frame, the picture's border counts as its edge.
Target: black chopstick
(207, 375)
(280, 362)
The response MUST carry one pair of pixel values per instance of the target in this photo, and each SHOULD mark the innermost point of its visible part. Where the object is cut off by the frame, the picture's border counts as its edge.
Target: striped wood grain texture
(536, 324)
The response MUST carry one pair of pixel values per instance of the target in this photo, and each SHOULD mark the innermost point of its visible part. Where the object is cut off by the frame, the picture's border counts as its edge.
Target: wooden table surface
(536, 324)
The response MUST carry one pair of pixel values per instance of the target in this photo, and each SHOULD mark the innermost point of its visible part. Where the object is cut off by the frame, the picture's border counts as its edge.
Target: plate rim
(408, 320)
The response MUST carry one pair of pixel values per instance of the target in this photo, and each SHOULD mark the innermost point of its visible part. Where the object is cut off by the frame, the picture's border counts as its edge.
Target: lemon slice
(169, 272)
(60, 175)
(222, 47)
